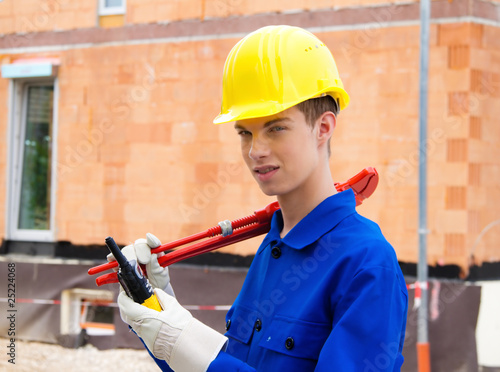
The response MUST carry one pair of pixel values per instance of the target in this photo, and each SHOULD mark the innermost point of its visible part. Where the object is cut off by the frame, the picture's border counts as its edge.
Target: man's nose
(259, 148)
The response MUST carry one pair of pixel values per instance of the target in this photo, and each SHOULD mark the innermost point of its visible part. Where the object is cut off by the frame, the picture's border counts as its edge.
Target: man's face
(281, 151)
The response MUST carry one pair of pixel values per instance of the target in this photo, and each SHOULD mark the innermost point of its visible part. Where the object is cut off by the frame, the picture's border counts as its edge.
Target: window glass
(113, 3)
(34, 204)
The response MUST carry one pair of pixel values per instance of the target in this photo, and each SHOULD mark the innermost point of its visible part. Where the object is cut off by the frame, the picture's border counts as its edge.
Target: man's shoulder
(356, 226)
(359, 236)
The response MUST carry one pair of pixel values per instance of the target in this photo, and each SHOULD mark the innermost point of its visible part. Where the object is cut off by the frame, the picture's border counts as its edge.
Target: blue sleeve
(227, 363)
(369, 325)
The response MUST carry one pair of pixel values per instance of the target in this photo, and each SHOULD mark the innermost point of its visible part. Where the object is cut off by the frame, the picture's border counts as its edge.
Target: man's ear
(326, 124)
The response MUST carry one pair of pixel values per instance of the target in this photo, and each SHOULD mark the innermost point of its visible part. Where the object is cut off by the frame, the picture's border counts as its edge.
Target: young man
(324, 292)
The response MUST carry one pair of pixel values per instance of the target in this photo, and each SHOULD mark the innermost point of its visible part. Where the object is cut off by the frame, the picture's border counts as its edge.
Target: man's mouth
(265, 170)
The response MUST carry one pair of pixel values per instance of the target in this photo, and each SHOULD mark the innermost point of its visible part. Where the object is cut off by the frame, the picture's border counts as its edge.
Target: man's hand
(173, 334)
(140, 251)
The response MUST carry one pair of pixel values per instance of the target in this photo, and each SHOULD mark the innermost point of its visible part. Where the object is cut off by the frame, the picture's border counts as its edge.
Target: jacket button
(258, 325)
(289, 343)
(276, 252)
(228, 324)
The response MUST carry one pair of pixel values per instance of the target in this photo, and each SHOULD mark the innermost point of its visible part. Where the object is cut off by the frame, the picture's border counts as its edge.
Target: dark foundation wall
(64, 249)
(194, 286)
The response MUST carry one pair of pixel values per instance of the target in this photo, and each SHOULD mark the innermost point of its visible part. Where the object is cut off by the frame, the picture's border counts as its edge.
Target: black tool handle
(130, 276)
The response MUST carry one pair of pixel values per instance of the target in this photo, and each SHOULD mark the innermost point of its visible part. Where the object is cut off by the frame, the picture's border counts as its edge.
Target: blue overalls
(329, 296)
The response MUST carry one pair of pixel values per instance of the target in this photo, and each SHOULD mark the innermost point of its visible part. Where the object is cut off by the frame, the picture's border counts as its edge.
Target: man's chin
(268, 190)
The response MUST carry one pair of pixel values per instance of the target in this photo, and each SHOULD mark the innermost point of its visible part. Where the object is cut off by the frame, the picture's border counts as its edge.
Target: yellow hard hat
(275, 68)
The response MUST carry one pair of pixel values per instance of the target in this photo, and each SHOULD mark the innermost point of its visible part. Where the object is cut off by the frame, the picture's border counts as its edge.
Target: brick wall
(484, 154)
(471, 200)
(27, 16)
(137, 151)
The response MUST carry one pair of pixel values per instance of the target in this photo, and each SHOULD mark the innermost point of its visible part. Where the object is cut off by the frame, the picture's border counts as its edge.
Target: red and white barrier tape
(32, 301)
(417, 286)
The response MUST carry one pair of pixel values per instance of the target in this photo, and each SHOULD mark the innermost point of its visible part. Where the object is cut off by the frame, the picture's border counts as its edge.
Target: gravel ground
(41, 357)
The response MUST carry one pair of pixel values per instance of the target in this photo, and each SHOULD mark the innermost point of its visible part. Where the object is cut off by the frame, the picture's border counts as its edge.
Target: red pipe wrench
(229, 232)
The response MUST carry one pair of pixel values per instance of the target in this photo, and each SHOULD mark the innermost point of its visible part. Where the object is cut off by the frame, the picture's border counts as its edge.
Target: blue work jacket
(329, 296)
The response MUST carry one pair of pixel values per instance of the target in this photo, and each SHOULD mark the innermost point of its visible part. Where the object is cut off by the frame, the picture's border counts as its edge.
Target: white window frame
(114, 10)
(18, 93)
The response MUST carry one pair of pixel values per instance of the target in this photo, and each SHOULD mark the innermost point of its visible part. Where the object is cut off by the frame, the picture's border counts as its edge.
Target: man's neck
(297, 205)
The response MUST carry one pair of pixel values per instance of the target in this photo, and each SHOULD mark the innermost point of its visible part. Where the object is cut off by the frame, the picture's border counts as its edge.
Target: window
(32, 162)
(88, 309)
(111, 7)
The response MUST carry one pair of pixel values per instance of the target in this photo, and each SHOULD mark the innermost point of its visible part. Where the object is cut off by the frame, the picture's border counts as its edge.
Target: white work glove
(140, 251)
(173, 334)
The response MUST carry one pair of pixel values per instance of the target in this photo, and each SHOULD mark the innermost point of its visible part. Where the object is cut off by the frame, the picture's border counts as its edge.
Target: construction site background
(133, 148)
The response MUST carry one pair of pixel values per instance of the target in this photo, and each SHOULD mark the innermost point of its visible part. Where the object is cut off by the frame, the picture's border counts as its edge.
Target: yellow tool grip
(152, 303)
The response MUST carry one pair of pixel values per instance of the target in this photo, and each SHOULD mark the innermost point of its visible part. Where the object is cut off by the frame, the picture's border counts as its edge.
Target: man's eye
(244, 133)
(277, 129)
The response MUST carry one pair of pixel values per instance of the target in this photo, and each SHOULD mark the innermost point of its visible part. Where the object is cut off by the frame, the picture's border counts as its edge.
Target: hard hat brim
(272, 108)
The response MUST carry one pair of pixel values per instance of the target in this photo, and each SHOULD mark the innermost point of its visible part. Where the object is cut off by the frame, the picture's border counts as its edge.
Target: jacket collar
(317, 223)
